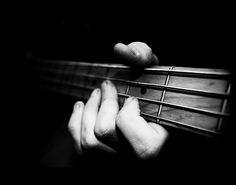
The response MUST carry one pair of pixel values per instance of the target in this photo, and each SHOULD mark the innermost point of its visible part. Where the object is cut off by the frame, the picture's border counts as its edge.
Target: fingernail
(105, 83)
(95, 91)
(129, 99)
(77, 105)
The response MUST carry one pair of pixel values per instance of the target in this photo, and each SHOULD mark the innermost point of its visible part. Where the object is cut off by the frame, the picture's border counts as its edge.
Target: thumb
(136, 54)
(126, 52)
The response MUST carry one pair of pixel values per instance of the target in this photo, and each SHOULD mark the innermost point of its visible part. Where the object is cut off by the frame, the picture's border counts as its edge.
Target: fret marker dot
(143, 90)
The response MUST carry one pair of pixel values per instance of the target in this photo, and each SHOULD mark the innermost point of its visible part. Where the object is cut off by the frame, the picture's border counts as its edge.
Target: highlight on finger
(74, 125)
(126, 53)
(105, 123)
(146, 141)
(88, 138)
(136, 54)
(89, 141)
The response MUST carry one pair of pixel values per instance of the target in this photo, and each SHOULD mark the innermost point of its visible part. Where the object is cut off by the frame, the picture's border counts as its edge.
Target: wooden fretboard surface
(193, 99)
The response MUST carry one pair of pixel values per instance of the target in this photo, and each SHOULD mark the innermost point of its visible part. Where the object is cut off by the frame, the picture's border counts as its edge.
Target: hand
(94, 126)
(137, 54)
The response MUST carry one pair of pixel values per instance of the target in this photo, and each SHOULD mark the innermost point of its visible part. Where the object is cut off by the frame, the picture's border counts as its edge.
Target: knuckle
(105, 123)
(147, 55)
(164, 136)
(102, 129)
(153, 147)
(127, 114)
(148, 152)
(88, 143)
(71, 127)
(110, 102)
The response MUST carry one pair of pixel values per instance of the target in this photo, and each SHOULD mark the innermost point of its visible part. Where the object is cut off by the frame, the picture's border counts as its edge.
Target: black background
(194, 35)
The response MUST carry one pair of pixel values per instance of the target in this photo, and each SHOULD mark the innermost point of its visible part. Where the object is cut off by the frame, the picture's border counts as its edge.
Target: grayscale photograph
(116, 89)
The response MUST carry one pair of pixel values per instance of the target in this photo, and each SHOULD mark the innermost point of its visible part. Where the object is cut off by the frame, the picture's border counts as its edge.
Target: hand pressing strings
(94, 125)
(136, 54)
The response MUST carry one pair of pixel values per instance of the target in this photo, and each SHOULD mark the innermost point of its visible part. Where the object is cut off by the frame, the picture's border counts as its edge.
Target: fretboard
(192, 99)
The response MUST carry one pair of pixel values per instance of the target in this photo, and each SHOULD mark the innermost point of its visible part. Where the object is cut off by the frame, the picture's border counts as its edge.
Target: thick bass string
(192, 99)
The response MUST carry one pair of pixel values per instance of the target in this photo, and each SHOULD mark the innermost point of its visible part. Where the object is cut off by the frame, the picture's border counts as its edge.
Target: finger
(136, 54)
(146, 55)
(105, 124)
(155, 60)
(74, 125)
(159, 129)
(88, 138)
(127, 53)
(142, 48)
(142, 136)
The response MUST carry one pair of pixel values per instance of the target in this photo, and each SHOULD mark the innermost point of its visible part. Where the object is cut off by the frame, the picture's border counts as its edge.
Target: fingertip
(126, 52)
(131, 106)
(109, 90)
(155, 60)
(106, 83)
(94, 99)
(78, 104)
(136, 54)
(118, 48)
(127, 100)
(131, 99)
(95, 92)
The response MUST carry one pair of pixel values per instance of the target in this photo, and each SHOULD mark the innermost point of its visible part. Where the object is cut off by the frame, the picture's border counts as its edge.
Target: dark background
(195, 36)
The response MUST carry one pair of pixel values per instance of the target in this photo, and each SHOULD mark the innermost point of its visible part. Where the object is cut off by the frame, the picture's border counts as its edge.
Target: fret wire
(165, 87)
(176, 72)
(163, 94)
(173, 123)
(219, 125)
(126, 93)
(158, 86)
(158, 117)
(202, 111)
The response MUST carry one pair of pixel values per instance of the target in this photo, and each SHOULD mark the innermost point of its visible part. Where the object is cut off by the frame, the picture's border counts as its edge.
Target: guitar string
(165, 121)
(223, 109)
(113, 79)
(148, 84)
(220, 73)
(164, 92)
(191, 109)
